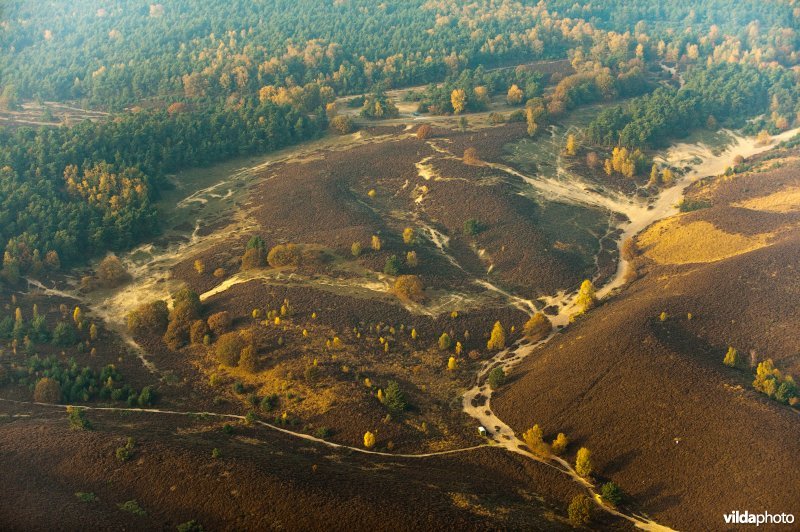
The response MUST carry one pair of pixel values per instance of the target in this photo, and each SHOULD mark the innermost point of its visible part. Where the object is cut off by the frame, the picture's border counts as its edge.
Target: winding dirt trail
(477, 400)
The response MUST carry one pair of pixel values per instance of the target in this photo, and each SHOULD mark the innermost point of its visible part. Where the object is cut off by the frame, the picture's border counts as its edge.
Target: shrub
(392, 266)
(411, 259)
(471, 156)
(409, 238)
(496, 378)
(64, 334)
(247, 359)
(538, 327)
(423, 132)
(147, 397)
(472, 227)
(342, 124)
(253, 258)
(355, 249)
(149, 317)
(177, 334)
(47, 391)
(376, 243)
(77, 419)
(125, 452)
(220, 322)
(583, 462)
(198, 331)
(284, 255)
(216, 453)
(186, 306)
(190, 526)
(579, 510)
(132, 507)
(111, 272)
(610, 492)
(269, 402)
(409, 287)
(228, 348)
(85, 496)
(369, 440)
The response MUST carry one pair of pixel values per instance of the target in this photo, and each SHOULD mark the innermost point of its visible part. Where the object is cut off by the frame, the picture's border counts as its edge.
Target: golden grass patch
(672, 242)
(781, 201)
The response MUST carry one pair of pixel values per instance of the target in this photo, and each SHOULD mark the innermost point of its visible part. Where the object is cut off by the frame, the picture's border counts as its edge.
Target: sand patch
(782, 201)
(671, 242)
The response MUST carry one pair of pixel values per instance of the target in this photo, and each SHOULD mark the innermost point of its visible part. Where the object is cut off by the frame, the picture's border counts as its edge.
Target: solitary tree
(559, 444)
(445, 342)
(533, 438)
(458, 98)
(408, 236)
(583, 462)
(571, 147)
(355, 249)
(497, 341)
(369, 440)
(452, 364)
(376, 242)
(587, 298)
(731, 357)
(47, 391)
(496, 378)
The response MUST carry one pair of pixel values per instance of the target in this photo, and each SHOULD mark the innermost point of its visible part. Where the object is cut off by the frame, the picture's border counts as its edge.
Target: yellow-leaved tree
(459, 100)
(369, 440)
(497, 340)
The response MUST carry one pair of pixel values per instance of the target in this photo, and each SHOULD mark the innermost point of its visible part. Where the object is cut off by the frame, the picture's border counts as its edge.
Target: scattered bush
(186, 306)
(770, 381)
(85, 496)
(471, 156)
(342, 124)
(423, 132)
(369, 440)
(355, 249)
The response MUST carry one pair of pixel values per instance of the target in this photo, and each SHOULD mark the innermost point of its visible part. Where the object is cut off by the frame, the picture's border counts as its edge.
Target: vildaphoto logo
(765, 518)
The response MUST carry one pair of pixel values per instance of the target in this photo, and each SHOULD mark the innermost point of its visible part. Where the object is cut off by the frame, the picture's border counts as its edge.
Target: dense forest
(192, 83)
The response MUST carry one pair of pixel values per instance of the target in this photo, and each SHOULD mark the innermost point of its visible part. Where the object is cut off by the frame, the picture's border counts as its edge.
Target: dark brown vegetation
(654, 358)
